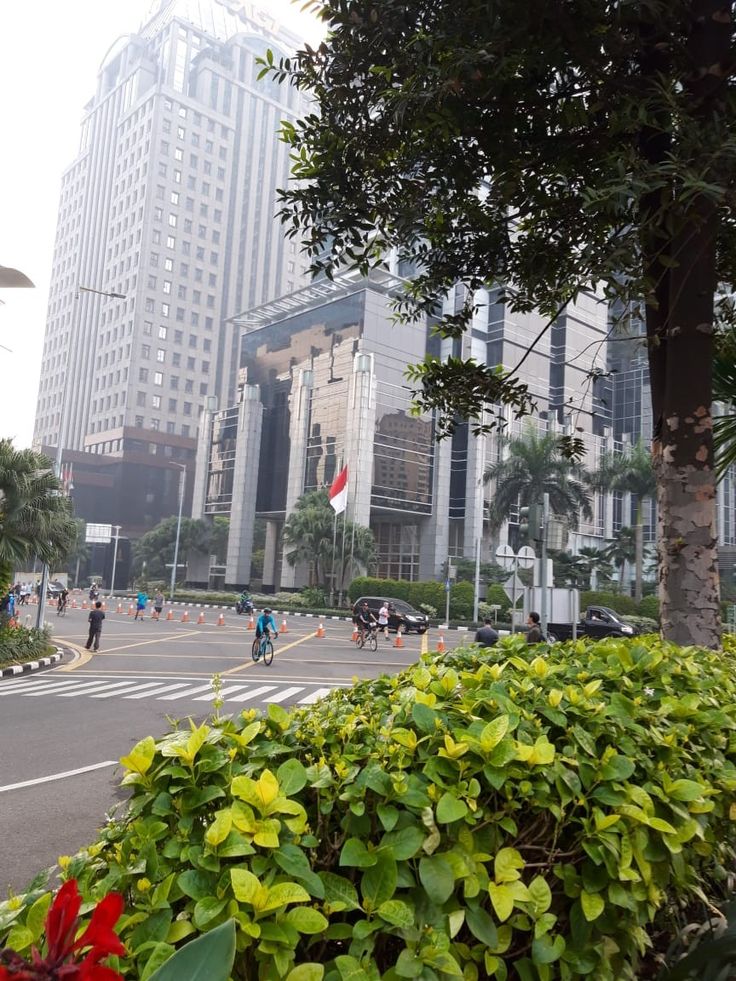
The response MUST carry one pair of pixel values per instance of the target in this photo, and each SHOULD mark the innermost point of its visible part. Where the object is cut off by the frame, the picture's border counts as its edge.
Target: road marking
(58, 776)
(87, 690)
(315, 696)
(131, 686)
(51, 686)
(186, 694)
(283, 695)
(211, 696)
(75, 686)
(253, 693)
(280, 651)
(160, 690)
(144, 643)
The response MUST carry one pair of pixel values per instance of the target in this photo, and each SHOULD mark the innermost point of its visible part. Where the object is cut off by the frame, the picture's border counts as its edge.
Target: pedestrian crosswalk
(164, 690)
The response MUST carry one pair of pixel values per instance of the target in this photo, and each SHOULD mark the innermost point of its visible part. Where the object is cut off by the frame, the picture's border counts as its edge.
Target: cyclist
(61, 606)
(365, 621)
(266, 625)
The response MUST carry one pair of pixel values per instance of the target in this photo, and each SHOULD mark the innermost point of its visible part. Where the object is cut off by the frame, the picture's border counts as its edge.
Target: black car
(399, 613)
(598, 621)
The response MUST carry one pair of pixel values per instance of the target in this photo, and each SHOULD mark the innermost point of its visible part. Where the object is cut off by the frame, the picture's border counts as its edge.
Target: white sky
(50, 51)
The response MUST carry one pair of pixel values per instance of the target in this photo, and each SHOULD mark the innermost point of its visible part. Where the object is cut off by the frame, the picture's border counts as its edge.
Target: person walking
(534, 634)
(487, 635)
(158, 605)
(140, 605)
(383, 618)
(95, 618)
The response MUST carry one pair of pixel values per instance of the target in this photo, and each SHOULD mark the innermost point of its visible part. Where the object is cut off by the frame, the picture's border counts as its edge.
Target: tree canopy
(546, 147)
(156, 547)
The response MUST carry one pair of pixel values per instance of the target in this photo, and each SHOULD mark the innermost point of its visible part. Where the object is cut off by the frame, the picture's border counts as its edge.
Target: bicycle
(263, 648)
(61, 610)
(368, 636)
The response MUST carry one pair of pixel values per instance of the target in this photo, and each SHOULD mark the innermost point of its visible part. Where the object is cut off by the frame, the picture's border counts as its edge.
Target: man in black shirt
(486, 636)
(96, 617)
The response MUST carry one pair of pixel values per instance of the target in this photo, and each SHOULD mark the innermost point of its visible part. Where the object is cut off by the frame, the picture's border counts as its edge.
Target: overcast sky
(50, 52)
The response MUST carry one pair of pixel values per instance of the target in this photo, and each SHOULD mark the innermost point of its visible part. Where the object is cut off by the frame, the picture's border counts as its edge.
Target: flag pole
(342, 557)
(333, 571)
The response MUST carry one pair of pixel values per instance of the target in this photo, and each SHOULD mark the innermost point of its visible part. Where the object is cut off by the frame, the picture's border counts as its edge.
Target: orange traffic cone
(251, 623)
(84, 604)
(221, 620)
(200, 618)
(104, 605)
(284, 628)
(321, 629)
(74, 604)
(441, 644)
(399, 642)
(170, 614)
(120, 608)
(185, 616)
(355, 633)
(131, 610)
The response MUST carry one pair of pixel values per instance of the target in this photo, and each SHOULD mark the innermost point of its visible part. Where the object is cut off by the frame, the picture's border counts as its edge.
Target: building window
(172, 221)
(147, 328)
(146, 351)
(180, 133)
(203, 388)
(162, 332)
(152, 282)
(156, 236)
(174, 197)
(164, 309)
(172, 405)
(150, 305)
(170, 242)
(174, 382)
(143, 374)
(178, 336)
(139, 422)
(158, 378)
(176, 359)
(169, 265)
(177, 177)
(158, 213)
(156, 425)
(156, 401)
(178, 154)
(167, 286)
(181, 292)
(180, 314)
(140, 399)
(189, 385)
(187, 408)
(160, 355)
(154, 258)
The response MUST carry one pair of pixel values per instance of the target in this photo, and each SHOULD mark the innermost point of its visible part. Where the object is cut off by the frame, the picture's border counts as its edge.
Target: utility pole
(114, 559)
(182, 472)
(543, 571)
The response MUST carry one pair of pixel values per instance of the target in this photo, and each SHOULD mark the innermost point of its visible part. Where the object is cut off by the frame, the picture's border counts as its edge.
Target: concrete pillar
(202, 464)
(359, 435)
(269, 557)
(434, 533)
(474, 494)
(299, 414)
(245, 485)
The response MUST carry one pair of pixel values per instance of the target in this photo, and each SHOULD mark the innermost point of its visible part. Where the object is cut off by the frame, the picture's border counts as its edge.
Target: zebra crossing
(165, 690)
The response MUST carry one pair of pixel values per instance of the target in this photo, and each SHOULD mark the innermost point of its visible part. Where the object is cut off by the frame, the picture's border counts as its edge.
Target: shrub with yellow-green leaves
(486, 814)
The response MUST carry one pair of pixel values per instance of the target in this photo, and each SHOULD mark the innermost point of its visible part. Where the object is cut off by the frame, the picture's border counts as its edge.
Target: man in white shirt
(383, 618)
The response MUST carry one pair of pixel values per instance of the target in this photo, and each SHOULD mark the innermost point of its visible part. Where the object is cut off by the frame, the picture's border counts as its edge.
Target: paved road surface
(64, 729)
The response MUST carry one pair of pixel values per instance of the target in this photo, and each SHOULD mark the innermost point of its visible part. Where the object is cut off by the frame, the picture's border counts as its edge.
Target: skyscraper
(171, 203)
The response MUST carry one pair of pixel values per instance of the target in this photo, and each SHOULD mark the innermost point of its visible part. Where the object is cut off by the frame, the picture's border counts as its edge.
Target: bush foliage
(504, 815)
(19, 644)
(417, 594)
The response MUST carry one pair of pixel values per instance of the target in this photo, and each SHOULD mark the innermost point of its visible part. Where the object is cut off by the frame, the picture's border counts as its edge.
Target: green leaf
(292, 777)
(437, 877)
(388, 815)
(284, 893)
(140, 757)
(424, 717)
(403, 844)
(617, 768)
(245, 885)
(541, 894)
(493, 733)
(450, 809)
(220, 828)
(397, 913)
(19, 938)
(354, 853)
(545, 950)
(409, 965)
(593, 905)
(208, 958)
(506, 865)
(279, 716)
(195, 884)
(502, 898)
(379, 882)
(306, 972)
(350, 969)
(482, 927)
(36, 917)
(340, 893)
(685, 790)
(207, 909)
(305, 919)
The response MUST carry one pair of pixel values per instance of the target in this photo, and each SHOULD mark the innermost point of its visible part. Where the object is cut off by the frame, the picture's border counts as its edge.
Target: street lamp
(182, 475)
(61, 439)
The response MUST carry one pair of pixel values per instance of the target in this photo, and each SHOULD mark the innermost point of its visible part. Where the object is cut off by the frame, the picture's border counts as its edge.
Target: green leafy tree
(533, 467)
(156, 547)
(724, 391)
(309, 532)
(79, 552)
(547, 147)
(631, 472)
(595, 561)
(620, 550)
(35, 518)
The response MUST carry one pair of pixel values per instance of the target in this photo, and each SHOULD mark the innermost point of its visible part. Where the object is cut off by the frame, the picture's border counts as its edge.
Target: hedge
(417, 593)
(498, 814)
(20, 644)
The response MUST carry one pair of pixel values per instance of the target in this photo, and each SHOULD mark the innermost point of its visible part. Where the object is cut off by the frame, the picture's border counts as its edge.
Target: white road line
(52, 687)
(287, 693)
(315, 696)
(130, 687)
(212, 695)
(186, 694)
(58, 776)
(254, 693)
(100, 686)
(160, 690)
(19, 686)
(74, 685)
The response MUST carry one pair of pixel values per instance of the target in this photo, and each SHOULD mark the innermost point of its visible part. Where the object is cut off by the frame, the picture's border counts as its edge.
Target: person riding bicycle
(63, 597)
(365, 621)
(265, 625)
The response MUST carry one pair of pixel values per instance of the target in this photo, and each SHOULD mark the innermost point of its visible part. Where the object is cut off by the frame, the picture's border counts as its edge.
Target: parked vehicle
(599, 621)
(399, 613)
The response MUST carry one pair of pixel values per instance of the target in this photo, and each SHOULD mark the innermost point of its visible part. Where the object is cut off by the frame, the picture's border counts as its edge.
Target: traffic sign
(526, 557)
(98, 534)
(513, 587)
(505, 556)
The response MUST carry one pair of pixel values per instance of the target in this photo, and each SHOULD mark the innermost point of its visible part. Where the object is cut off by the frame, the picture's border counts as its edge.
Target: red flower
(62, 923)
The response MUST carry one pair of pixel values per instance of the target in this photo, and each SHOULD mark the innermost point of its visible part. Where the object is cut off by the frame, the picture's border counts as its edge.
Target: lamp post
(182, 474)
(41, 610)
(114, 559)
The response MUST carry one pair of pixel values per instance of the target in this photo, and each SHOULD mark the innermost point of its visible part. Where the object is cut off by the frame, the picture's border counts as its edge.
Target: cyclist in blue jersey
(265, 622)
(265, 629)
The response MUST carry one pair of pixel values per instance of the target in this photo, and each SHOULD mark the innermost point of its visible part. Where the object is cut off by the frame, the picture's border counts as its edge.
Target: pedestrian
(25, 593)
(95, 618)
(140, 604)
(487, 635)
(383, 618)
(158, 604)
(534, 634)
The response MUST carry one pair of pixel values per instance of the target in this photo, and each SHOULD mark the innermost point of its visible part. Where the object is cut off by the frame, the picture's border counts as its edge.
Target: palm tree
(534, 467)
(630, 472)
(724, 391)
(595, 560)
(79, 552)
(620, 550)
(569, 570)
(35, 518)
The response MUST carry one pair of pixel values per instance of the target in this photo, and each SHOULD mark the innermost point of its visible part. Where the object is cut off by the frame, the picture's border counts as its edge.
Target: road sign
(526, 557)
(505, 556)
(98, 534)
(513, 587)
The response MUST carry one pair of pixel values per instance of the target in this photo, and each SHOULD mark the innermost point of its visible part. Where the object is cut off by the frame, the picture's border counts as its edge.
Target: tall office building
(171, 203)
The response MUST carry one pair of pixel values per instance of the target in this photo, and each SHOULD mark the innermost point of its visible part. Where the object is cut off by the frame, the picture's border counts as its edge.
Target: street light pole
(182, 473)
(61, 439)
(114, 559)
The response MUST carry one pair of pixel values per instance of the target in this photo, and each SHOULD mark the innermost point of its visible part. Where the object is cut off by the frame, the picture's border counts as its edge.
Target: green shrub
(615, 601)
(385, 588)
(649, 607)
(19, 644)
(496, 596)
(461, 601)
(313, 596)
(427, 593)
(478, 816)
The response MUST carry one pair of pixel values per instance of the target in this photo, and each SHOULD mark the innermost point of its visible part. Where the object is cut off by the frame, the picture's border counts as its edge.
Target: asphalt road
(64, 729)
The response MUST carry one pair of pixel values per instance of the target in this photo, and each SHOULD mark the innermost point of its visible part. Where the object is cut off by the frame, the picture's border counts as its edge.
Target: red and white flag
(339, 491)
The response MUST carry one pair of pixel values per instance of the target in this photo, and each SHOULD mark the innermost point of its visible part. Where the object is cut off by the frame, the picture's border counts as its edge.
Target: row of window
(195, 138)
(158, 378)
(181, 290)
(193, 157)
(143, 399)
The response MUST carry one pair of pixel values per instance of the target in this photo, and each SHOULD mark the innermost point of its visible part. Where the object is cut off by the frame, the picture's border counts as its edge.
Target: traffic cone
(84, 604)
(74, 604)
(131, 610)
(221, 620)
(284, 628)
(104, 605)
(355, 633)
(120, 608)
(185, 616)
(441, 644)
(170, 614)
(321, 629)
(200, 618)
(251, 623)
(399, 642)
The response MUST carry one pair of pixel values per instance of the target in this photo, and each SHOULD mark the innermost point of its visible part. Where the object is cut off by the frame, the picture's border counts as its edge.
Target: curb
(43, 662)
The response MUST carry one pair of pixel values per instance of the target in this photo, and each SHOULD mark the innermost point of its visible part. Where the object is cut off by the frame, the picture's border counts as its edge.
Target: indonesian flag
(339, 491)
